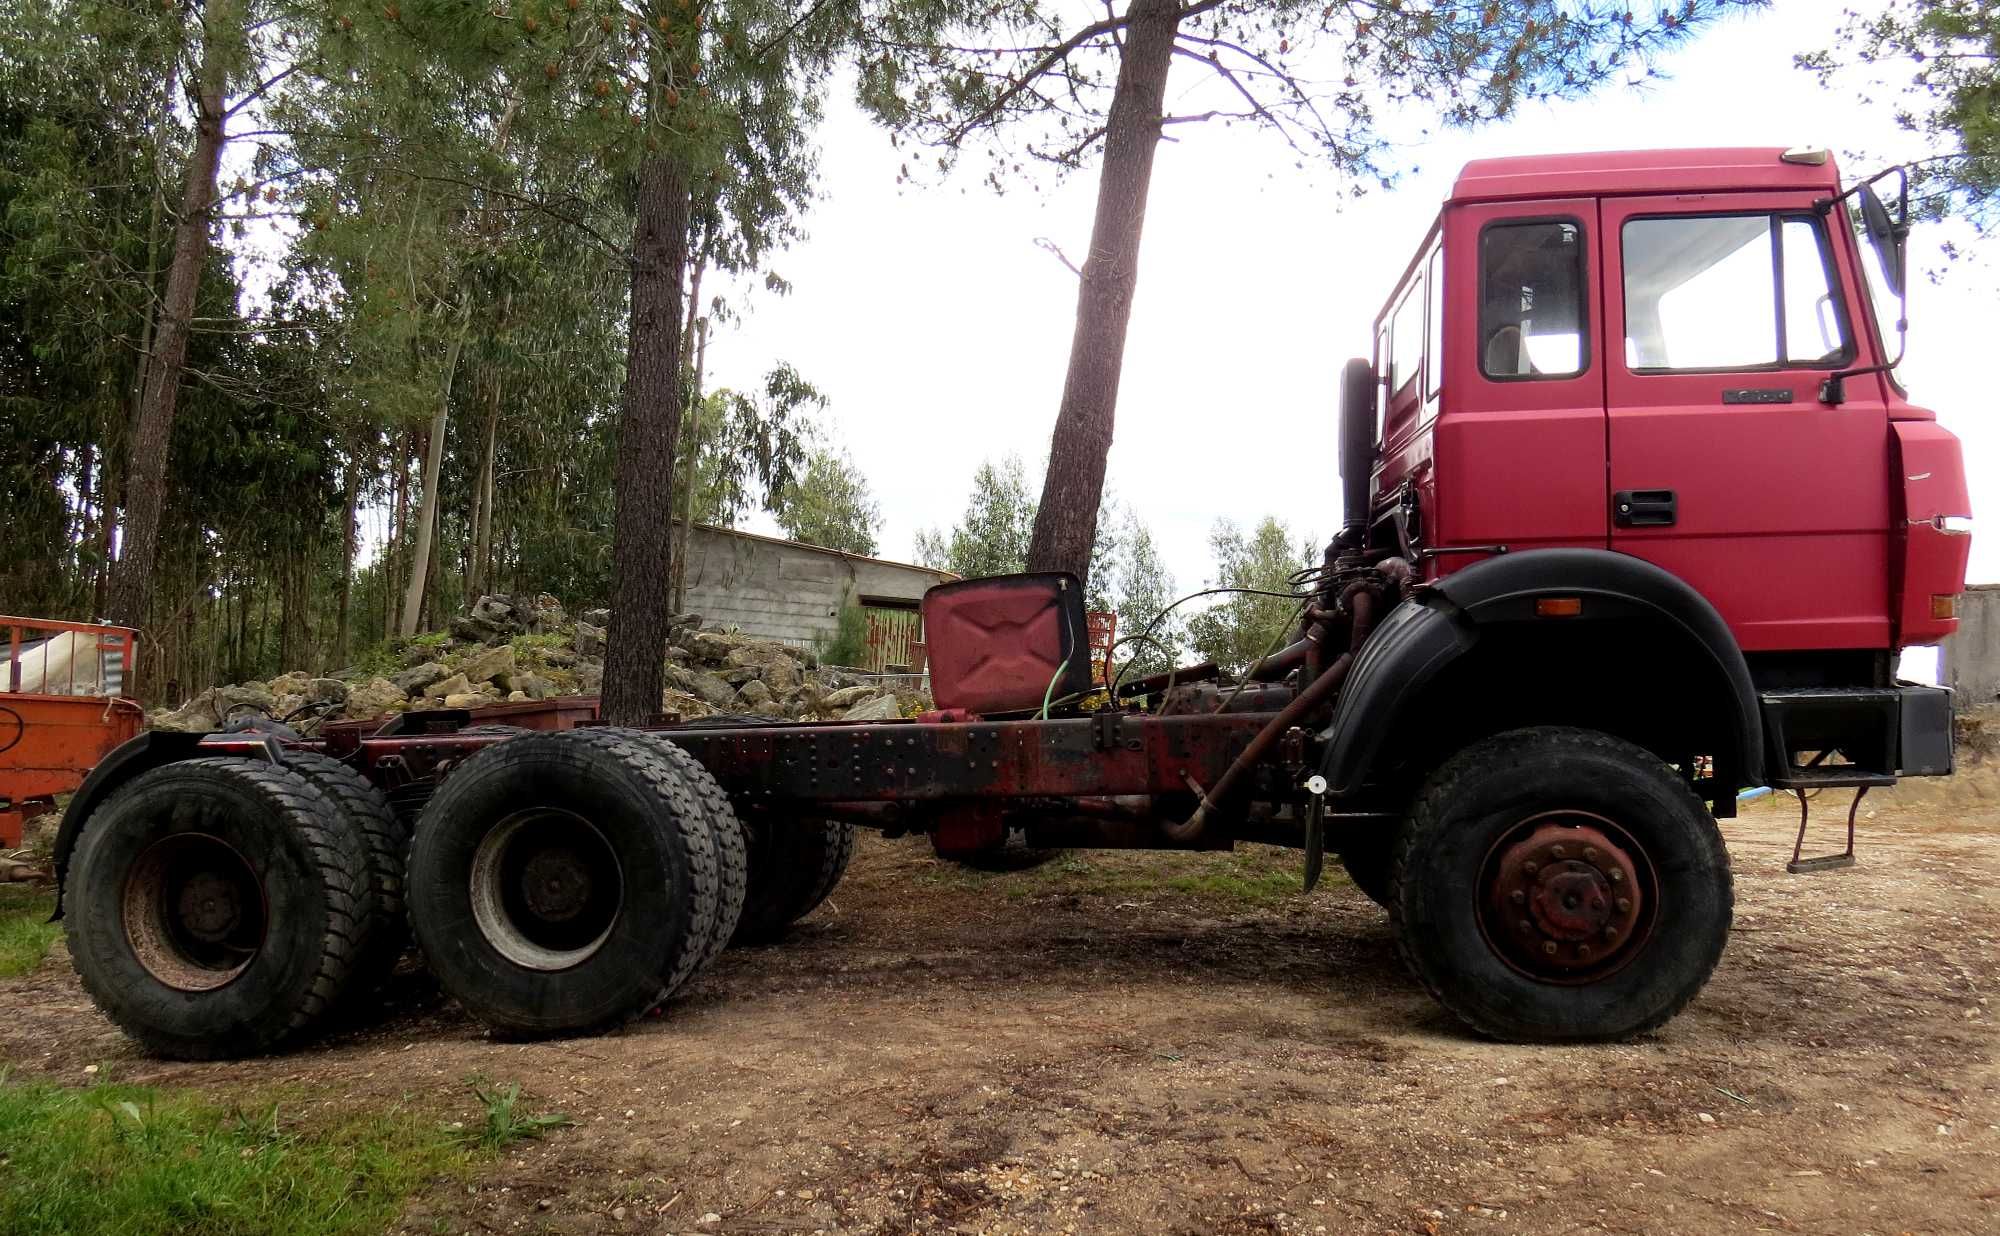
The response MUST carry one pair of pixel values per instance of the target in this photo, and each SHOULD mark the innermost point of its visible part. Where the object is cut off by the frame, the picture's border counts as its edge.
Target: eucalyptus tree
(830, 505)
(1057, 86)
(1937, 63)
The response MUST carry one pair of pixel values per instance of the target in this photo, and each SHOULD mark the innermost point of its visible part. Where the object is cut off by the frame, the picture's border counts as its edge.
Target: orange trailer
(62, 707)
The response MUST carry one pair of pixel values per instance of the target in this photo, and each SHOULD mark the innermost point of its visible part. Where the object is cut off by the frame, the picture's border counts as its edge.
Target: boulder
(417, 677)
(846, 698)
(245, 700)
(562, 658)
(546, 614)
(708, 688)
(375, 697)
(880, 708)
(683, 705)
(293, 683)
(771, 661)
(596, 617)
(470, 699)
(754, 694)
(711, 647)
(454, 685)
(489, 665)
(326, 691)
(534, 686)
(589, 640)
(740, 675)
(589, 678)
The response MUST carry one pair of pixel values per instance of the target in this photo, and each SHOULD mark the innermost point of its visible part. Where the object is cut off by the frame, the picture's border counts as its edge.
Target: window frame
(1413, 296)
(1775, 219)
(1584, 359)
(1434, 323)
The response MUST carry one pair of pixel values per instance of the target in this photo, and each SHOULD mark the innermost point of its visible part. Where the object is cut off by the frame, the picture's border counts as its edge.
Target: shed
(791, 591)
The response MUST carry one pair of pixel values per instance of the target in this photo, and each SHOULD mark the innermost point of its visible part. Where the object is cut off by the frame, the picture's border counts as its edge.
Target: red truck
(1635, 515)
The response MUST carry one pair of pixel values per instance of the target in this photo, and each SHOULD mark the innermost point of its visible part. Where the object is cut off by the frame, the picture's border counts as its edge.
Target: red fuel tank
(1007, 642)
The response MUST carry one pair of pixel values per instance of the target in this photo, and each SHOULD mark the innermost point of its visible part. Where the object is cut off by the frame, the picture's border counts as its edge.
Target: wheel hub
(209, 907)
(194, 911)
(556, 885)
(545, 888)
(1563, 899)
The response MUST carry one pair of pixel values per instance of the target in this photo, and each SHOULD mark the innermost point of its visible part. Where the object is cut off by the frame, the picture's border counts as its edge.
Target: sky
(940, 329)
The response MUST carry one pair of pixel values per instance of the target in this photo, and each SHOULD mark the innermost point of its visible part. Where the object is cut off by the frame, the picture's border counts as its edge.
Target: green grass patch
(25, 932)
(134, 1161)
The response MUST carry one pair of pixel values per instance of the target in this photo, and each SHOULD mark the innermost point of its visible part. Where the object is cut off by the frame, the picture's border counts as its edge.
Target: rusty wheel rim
(194, 912)
(546, 889)
(1567, 897)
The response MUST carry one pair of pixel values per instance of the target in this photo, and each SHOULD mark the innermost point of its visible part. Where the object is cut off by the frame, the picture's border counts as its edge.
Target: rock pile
(514, 649)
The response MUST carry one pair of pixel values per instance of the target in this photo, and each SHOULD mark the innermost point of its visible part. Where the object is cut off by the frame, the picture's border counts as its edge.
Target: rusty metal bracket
(1827, 862)
(1315, 808)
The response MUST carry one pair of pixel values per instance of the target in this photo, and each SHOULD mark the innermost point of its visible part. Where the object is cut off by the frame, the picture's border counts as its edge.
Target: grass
(504, 1125)
(133, 1161)
(1251, 876)
(25, 932)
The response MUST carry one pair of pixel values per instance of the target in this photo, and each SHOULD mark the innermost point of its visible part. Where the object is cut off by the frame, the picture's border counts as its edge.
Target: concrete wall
(1972, 656)
(787, 591)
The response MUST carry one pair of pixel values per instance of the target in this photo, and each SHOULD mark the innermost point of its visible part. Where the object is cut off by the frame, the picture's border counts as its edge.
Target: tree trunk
(146, 461)
(352, 479)
(1066, 521)
(482, 534)
(684, 532)
(648, 424)
(420, 558)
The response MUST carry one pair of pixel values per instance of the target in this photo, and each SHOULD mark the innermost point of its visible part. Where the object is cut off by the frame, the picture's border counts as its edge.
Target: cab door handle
(1644, 508)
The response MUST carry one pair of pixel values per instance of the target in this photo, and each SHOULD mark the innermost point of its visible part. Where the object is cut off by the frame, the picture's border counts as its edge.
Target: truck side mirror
(1887, 232)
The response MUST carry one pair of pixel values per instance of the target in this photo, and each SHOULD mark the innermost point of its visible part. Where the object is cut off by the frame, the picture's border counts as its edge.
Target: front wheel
(1558, 884)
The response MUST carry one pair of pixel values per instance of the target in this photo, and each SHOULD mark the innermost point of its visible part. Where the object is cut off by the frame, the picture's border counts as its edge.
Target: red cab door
(1725, 313)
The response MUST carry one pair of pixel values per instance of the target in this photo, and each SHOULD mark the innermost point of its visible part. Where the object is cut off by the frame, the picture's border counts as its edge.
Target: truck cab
(1685, 357)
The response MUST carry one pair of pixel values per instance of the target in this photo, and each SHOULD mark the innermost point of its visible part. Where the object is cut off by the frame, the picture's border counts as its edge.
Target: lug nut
(1624, 905)
(1530, 868)
(1525, 925)
(1518, 896)
(1583, 950)
(1590, 854)
(1597, 904)
(1559, 851)
(1549, 947)
(1616, 875)
(1611, 933)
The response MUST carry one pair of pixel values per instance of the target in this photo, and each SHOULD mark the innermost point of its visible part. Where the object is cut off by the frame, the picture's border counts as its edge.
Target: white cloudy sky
(940, 331)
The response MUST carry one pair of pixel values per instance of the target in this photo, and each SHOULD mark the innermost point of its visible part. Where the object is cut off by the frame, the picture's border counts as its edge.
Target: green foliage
(25, 929)
(1034, 81)
(1143, 588)
(1242, 627)
(849, 642)
(992, 536)
(137, 1160)
(749, 449)
(829, 505)
(504, 1124)
(1938, 63)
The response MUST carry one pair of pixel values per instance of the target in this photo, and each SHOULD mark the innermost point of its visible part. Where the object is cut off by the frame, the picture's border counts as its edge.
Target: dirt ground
(1138, 1043)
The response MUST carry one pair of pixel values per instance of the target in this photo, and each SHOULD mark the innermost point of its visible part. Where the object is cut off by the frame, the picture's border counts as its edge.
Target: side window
(1730, 292)
(1531, 296)
(1434, 297)
(1406, 338)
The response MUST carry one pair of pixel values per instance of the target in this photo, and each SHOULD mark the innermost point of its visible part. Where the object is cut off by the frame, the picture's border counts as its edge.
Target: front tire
(1560, 885)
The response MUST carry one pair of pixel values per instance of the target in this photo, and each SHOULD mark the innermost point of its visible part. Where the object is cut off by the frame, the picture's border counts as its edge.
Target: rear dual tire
(217, 908)
(567, 882)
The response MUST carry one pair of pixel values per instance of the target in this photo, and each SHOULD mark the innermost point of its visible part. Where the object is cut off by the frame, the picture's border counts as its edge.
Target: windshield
(1883, 303)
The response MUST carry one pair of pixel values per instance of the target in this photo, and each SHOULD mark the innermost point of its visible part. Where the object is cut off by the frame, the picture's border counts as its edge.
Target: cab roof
(1714, 170)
